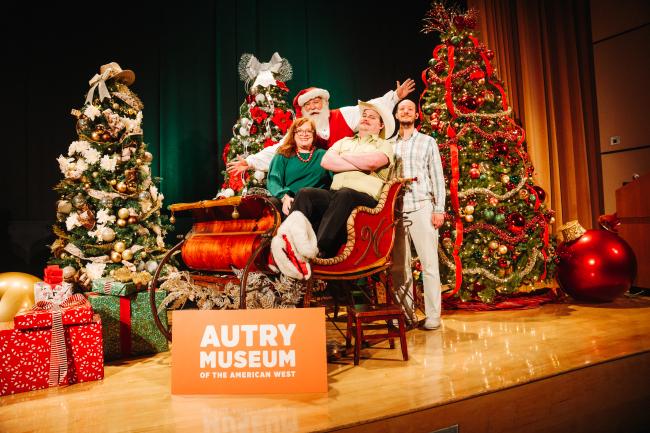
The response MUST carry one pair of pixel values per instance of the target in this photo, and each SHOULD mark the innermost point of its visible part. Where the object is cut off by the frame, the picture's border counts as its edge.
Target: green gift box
(128, 326)
(110, 286)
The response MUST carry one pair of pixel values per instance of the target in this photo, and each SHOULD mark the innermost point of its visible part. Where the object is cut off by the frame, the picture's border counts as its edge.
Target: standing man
(331, 125)
(424, 205)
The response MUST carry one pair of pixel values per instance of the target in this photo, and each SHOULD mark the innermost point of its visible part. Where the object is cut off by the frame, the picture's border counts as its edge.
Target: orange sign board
(249, 351)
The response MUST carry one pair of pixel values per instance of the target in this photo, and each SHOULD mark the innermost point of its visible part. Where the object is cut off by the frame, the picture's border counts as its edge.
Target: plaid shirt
(418, 156)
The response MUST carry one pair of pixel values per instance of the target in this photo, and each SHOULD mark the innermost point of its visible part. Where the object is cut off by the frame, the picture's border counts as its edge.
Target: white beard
(322, 121)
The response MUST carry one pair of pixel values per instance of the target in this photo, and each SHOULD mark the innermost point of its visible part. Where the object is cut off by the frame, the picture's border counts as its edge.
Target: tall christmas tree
(264, 117)
(495, 241)
(108, 212)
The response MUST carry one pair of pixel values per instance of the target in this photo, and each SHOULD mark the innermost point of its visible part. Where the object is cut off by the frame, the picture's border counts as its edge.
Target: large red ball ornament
(474, 173)
(595, 265)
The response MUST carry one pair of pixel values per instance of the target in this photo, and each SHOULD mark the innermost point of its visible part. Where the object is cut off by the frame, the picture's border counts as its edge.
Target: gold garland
(485, 273)
(477, 115)
(489, 192)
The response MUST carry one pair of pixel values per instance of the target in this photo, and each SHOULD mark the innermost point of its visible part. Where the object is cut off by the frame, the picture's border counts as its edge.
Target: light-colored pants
(425, 239)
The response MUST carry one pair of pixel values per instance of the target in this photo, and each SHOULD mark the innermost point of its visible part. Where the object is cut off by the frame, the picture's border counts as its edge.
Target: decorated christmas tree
(108, 212)
(495, 241)
(264, 117)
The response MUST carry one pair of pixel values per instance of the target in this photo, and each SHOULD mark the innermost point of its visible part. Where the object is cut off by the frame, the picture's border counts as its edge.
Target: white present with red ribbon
(51, 345)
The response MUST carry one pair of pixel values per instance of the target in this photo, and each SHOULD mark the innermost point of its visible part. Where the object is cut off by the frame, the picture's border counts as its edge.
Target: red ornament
(596, 265)
(459, 22)
(489, 54)
(253, 129)
(515, 222)
(501, 148)
(439, 68)
(541, 194)
(476, 75)
(474, 173)
(282, 85)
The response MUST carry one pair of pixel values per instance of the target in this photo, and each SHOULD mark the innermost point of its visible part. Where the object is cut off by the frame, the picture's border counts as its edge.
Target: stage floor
(474, 354)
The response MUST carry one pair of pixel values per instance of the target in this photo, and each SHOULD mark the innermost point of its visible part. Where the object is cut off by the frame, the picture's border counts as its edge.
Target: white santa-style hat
(305, 95)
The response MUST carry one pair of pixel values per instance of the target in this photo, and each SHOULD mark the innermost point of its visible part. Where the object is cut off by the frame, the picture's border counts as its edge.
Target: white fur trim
(313, 93)
(302, 235)
(282, 261)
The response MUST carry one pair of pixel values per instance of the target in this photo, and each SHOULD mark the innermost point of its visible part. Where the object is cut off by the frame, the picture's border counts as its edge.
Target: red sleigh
(237, 232)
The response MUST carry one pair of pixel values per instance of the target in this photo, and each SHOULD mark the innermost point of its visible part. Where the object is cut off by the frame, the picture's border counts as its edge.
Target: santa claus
(331, 125)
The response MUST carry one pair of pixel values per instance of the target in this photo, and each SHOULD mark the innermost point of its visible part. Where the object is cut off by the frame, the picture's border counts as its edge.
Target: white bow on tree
(264, 74)
(99, 81)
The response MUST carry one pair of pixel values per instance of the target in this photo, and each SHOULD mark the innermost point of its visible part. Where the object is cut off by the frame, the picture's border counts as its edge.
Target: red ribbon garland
(448, 100)
(125, 325)
(489, 69)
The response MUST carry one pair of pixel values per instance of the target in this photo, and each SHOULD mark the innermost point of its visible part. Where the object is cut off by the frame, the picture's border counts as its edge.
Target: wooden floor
(545, 369)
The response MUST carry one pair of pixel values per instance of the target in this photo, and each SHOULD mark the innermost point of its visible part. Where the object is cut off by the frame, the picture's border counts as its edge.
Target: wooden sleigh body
(237, 231)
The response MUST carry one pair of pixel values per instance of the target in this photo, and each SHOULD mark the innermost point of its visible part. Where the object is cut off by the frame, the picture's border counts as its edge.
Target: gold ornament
(235, 213)
(123, 213)
(106, 136)
(121, 222)
(523, 194)
(493, 245)
(87, 185)
(113, 182)
(64, 255)
(115, 106)
(552, 220)
(119, 246)
(132, 220)
(148, 157)
(572, 231)
(116, 257)
(16, 294)
(95, 136)
(95, 174)
(127, 254)
(108, 234)
(138, 161)
(121, 187)
(64, 206)
(505, 178)
(469, 209)
(503, 249)
(172, 219)
(469, 218)
(69, 272)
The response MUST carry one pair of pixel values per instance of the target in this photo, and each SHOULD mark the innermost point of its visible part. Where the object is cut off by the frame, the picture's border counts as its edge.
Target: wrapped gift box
(110, 286)
(50, 346)
(128, 325)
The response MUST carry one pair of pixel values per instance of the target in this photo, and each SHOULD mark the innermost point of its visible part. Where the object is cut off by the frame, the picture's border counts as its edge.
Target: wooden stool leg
(348, 332)
(358, 341)
(391, 340)
(402, 339)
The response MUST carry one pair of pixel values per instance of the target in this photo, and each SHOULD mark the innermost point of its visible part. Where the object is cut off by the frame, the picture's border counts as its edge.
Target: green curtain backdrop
(185, 57)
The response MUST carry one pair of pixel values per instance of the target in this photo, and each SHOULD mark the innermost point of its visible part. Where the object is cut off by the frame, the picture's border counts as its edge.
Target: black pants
(278, 205)
(328, 211)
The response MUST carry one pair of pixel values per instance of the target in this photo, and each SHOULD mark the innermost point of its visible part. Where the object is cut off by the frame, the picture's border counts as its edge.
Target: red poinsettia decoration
(236, 183)
(282, 86)
(269, 142)
(258, 114)
(253, 130)
(282, 119)
(226, 149)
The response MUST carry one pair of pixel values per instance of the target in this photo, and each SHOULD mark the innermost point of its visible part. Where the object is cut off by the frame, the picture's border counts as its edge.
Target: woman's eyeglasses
(304, 131)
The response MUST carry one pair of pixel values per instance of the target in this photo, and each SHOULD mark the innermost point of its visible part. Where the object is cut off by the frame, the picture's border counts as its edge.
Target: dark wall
(185, 58)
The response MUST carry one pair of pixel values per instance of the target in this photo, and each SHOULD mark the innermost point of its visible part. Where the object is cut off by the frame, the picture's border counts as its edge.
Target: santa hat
(293, 246)
(305, 95)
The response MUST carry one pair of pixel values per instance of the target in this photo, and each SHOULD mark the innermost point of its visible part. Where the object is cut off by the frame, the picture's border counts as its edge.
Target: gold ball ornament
(95, 136)
(493, 245)
(116, 257)
(552, 220)
(123, 213)
(95, 174)
(86, 185)
(235, 213)
(138, 161)
(115, 106)
(106, 136)
(121, 187)
(113, 182)
(69, 272)
(469, 218)
(121, 222)
(172, 219)
(469, 209)
(503, 249)
(63, 206)
(505, 178)
(108, 234)
(148, 157)
(132, 220)
(16, 294)
(127, 254)
(119, 246)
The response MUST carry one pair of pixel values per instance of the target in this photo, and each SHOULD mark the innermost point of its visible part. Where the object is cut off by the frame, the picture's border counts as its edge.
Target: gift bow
(99, 81)
(254, 67)
(58, 354)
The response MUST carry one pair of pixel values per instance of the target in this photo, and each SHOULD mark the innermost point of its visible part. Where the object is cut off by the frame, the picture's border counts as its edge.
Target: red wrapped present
(51, 345)
(53, 274)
